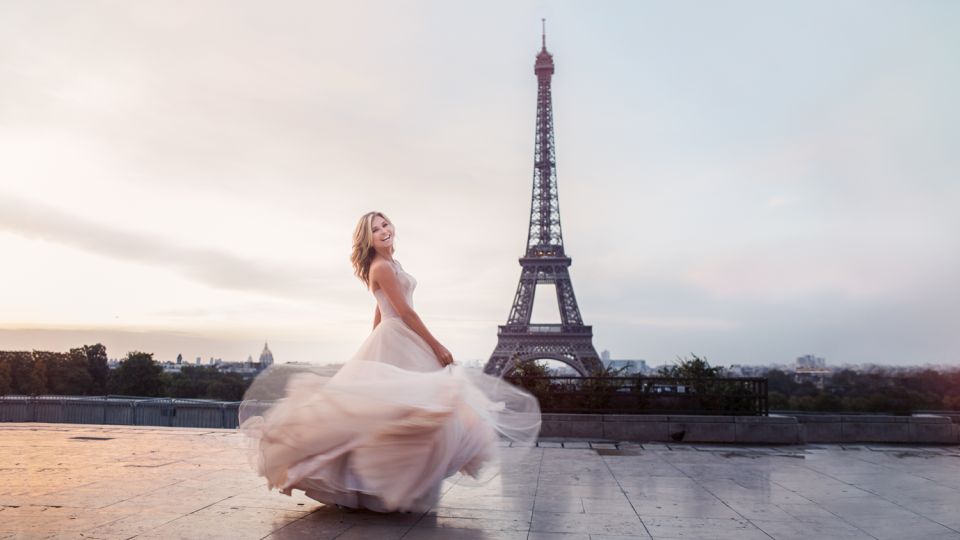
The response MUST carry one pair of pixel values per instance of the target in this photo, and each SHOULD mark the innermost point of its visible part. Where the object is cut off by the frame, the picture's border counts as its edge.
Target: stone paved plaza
(82, 481)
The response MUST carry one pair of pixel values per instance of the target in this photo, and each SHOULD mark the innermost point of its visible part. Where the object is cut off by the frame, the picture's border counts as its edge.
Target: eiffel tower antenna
(545, 261)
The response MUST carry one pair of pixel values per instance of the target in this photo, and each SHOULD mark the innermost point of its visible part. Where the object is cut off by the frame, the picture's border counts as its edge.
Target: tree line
(84, 371)
(879, 389)
(896, 390)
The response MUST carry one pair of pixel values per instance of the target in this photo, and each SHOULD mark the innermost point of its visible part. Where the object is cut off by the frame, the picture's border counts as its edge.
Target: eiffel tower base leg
(513, 350)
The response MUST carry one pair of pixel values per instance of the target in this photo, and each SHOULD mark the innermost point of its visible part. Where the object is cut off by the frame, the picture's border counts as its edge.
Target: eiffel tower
(518, 341)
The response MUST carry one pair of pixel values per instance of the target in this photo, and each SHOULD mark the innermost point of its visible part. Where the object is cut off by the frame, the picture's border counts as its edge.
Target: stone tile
(311, 529)
(566, 505)
(620, 505)
(558, 536)
(752, 511)
(903, 529)
(208, 523)
(479, 513)
(443, 522)
(518, 504)
(333, 515)
(576, 444)
(373, 532)
(610, 491)
(586, 523)
(797, 530)
(644, 536)
(805, 510)
(691, 508)
(706, 528)
(694, 493)
(132, 525)
(462, 534)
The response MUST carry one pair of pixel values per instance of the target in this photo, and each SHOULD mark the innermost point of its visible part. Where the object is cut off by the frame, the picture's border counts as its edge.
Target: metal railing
(120, 410)
(648, 395)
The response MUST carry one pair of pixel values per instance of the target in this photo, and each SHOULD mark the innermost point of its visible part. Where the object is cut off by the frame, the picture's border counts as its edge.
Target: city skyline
(746, 182)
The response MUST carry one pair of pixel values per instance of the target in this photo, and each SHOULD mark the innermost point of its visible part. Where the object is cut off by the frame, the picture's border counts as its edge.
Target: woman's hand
(443, 355)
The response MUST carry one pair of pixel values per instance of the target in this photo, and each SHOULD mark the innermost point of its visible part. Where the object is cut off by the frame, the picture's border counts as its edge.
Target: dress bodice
(407, 284)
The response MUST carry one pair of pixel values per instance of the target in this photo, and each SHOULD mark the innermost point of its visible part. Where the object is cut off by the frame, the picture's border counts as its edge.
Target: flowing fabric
(388, 428)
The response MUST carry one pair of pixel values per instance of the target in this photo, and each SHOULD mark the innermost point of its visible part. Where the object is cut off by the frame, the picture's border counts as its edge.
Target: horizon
(750, 183)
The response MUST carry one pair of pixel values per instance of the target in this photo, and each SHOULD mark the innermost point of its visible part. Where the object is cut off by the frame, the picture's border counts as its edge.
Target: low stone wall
(773, 429)
(929, 429)
(787, 428)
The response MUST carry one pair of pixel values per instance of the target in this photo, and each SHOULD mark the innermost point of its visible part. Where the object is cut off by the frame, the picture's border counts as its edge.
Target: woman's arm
(383, 275)
(376, 317)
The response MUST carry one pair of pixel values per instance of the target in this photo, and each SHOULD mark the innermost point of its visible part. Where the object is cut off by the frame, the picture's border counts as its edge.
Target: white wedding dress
(388, 428)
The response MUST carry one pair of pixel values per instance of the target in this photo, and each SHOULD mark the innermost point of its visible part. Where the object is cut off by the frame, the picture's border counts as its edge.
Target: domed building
(266, 357)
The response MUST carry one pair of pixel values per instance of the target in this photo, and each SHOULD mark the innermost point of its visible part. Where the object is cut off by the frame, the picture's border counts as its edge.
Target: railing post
(766, 397)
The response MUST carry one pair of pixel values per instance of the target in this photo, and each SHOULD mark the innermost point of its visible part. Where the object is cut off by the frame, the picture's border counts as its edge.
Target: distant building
(238, 367)
(811, 368)
(248, 369)
(266, 357)
(171, 367)
(629, 367)
(809, 361)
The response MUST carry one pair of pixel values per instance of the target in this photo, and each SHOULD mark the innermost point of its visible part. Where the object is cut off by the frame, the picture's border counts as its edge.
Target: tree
(227, 387)
(781, 382)
(137, 375)
(190, 382)
(26, 376)
(532, 377)
(97, 367)
(6, 379)
(66, 373)
(691, 368)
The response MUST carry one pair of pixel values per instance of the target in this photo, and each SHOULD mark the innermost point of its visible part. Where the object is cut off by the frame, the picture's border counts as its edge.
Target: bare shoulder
(378, 266)
(380, 271)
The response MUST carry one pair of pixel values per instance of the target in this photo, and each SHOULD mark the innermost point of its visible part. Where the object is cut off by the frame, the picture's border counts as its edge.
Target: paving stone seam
(805, 498)
(875, 494)
(536, 492)
(624, 492)
(705, 488)
(818, 505)
(275, 531)
(887, 466)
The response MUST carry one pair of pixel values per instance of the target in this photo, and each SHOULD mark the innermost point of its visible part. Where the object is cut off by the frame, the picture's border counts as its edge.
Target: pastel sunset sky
(750, 181)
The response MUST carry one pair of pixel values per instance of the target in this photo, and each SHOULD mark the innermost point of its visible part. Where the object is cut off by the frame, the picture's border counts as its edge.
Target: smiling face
(374, 233)
(383, 233)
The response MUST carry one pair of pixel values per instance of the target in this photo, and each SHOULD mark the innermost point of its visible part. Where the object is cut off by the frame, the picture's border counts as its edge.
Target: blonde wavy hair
(363, 251)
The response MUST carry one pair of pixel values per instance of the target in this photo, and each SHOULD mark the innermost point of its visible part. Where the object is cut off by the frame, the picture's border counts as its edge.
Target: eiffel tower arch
(544, 262)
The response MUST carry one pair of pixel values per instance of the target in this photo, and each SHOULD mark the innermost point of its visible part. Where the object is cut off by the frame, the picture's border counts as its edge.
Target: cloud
(209, 266)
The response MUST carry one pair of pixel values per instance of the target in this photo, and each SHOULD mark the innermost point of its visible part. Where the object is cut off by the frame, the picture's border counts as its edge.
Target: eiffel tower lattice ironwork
(545, 262)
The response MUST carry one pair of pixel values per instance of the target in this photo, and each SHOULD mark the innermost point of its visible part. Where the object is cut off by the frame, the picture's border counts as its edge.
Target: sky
(747, 181)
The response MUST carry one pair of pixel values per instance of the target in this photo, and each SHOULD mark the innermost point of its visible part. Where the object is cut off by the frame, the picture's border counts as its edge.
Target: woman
(396, 420)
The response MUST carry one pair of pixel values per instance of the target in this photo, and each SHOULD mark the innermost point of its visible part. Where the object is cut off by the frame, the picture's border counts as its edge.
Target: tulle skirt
(387, 429)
